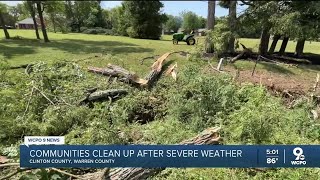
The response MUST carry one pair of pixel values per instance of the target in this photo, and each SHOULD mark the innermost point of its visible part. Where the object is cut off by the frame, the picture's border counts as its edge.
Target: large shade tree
(173, 23)
(145, 19)
(3, 9)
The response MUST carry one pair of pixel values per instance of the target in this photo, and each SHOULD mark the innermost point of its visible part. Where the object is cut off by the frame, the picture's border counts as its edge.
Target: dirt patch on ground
(286, 85)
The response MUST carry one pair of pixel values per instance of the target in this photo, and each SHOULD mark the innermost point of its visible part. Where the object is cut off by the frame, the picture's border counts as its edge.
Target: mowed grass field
(97, 49)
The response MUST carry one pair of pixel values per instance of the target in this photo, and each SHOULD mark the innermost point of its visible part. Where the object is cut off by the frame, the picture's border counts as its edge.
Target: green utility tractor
(189, 38)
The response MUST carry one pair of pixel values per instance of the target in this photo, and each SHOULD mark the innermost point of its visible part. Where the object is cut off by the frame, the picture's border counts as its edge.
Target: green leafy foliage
(173, 23)
(191, 21)
(167, 114)
(145, 18)
(220, 37)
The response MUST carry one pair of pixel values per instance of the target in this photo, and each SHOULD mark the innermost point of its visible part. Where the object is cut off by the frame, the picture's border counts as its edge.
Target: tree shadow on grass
(275, 68)
(8, 52)
(74, 46)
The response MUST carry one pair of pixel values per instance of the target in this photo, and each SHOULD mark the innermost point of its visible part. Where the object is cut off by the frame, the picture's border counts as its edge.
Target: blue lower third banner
(153, 156)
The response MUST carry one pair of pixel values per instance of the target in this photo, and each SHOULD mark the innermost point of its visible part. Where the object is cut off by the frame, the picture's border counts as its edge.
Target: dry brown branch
(66, 173)
(7, 177)
(316, 84)
(43, 94)
(172, 70)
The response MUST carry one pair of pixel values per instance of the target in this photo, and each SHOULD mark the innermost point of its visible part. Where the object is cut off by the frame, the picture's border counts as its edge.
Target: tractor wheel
(175, 41)
(191, 41)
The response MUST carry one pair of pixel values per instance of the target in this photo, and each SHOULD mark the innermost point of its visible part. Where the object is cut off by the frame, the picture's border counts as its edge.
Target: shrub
(98, 30)
(82, 29)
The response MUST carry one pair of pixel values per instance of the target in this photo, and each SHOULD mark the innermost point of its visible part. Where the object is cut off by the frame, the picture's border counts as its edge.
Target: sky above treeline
(171, 7)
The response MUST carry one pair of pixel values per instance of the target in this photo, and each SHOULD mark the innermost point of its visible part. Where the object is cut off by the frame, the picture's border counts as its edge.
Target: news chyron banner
(153, 156)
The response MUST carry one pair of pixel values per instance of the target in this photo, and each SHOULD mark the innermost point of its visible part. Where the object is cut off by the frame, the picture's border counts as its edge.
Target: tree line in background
(296, 20)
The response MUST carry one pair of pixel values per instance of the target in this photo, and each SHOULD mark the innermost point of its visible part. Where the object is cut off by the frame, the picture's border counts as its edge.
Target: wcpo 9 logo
(300, 158)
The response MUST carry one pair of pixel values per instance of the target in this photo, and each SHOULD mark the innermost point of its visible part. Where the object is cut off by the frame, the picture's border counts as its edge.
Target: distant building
(27, 23)
(201, 32)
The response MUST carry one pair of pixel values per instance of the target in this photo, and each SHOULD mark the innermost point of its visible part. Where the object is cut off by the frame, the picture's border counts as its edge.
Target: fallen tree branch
(208, 137)
(316, 83)
(244, 54)
(149, 57)
(9, 164)
(13, 174)
(182, 53)
(172, 70)
(43, 94)
(66, 173)
(25, 169)
(156, 70)
(117, 71)
(130, 77)
(21, 66)
(103, 95)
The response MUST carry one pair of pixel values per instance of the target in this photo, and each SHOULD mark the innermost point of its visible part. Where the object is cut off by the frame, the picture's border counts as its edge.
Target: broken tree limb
(209, 136)
(20, 66)
(104, 95)
(172, 70)
(156, 70)
(130, 77)
(245, 53)
(316, 84)
(149, 57)
(117, 71)
(255, 65)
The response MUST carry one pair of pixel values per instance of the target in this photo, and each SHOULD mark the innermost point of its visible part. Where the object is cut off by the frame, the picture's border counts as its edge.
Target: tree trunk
(43, 27)
(210, 25)
(3, 24)
(33, 15)
(207, 137)
(283, 46)
(276, 38)
(264, 41)
(232, 24)
(299, 47)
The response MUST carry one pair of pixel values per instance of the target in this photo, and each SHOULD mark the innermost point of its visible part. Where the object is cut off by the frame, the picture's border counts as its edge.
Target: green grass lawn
(310, 46)
(73, 46)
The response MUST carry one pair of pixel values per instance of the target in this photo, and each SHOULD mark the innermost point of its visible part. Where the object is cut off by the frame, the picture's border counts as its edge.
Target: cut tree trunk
(264, 41)
(33, 15)
(283, 46)
(299, 47)
(232, 24)
(3, 24)
(43, 26)
(207, 137)
(276, 38)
